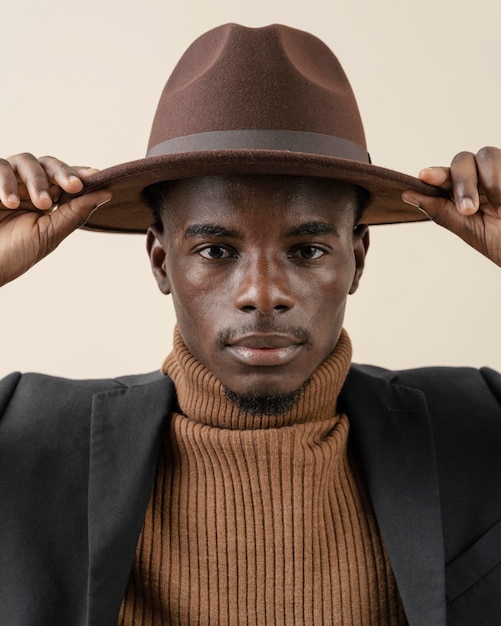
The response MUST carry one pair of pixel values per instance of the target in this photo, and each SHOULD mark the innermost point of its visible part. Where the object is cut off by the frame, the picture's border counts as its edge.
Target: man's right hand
(31, 223)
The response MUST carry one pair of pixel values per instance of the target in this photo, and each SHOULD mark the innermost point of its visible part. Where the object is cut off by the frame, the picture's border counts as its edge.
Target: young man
(259, 478)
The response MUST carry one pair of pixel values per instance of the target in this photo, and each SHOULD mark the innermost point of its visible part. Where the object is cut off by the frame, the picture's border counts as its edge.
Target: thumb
(73, 214)
(441, 210)
(438, 209)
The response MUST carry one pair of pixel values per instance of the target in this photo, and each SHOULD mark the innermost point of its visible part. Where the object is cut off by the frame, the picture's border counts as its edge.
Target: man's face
(259, 268)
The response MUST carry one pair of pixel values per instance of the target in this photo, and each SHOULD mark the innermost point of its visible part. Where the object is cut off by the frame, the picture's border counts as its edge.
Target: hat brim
(128, 212)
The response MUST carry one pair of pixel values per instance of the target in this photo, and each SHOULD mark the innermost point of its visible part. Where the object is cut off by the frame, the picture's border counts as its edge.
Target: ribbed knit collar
(201, 396)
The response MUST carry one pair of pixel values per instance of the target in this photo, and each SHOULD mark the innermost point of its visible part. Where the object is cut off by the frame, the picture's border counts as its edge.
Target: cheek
(199, 293)
(331, 287)
(328, 295)
(201, 307)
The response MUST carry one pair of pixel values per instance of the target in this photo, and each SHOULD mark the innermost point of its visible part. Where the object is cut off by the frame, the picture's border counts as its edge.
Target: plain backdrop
(82, 80)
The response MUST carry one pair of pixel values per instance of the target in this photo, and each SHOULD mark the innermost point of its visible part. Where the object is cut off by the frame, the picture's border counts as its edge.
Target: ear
(360, 247)
(156, 251)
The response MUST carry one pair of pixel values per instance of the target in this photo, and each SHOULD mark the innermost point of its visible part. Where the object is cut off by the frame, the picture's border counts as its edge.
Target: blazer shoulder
(41, 394)
(455, 385)
(463, 403)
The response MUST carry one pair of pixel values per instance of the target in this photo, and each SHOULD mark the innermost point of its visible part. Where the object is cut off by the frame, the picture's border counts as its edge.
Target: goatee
(264, 405)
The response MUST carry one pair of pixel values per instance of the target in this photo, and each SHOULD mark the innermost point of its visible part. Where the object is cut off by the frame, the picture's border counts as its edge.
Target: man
(258, 479)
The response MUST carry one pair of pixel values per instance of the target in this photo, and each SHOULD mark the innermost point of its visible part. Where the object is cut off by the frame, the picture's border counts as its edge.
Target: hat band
(281, 140)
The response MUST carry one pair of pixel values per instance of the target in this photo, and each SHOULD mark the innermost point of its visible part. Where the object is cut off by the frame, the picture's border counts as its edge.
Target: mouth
(265, 349)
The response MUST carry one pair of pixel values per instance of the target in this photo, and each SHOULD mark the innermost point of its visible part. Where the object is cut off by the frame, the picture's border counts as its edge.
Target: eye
(215, 252)
(310, 253)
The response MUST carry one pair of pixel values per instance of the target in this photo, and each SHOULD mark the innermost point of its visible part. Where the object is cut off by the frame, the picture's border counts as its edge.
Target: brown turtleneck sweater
(259, 521)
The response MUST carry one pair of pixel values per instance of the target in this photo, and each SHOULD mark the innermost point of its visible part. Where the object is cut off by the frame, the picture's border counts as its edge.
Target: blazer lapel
(392, 438)
(126, 431)
(390, 433)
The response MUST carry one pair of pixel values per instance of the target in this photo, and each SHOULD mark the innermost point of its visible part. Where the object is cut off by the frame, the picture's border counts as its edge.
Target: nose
(264, 286)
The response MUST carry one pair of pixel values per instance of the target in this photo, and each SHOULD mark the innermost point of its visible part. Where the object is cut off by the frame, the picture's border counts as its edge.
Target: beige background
(81, 81)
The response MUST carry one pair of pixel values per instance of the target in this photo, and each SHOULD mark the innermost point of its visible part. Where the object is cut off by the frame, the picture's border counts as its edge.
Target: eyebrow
(212, 230)
(314, 228)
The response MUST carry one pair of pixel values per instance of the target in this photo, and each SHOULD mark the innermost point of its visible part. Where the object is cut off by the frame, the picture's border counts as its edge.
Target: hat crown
(254, 101)
(274, 78)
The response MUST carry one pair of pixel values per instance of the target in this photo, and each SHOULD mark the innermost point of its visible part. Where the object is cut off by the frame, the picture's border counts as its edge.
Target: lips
(264, 350)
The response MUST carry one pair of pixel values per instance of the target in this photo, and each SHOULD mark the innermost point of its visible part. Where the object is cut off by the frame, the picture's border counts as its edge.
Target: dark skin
(27, 236)
(474, 182)
(271, 285)
(259, 269)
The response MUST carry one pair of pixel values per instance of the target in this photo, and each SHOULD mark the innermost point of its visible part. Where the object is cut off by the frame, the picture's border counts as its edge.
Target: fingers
(473, 211)
(473, 181)
(437, 176)
(460, 180)
(27, 236)
(69, 178)
(9, 195)
(83, 171)
(489, 175)
(32, 175)
(464, 179)
(24, 177)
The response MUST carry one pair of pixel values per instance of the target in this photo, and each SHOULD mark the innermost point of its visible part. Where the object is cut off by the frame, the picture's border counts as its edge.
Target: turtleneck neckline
(201, 396)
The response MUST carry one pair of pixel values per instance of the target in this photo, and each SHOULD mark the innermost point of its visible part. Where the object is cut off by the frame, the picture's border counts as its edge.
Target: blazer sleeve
(44, 461)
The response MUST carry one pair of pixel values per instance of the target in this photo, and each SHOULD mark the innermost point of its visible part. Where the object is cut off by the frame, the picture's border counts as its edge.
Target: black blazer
(78, 460)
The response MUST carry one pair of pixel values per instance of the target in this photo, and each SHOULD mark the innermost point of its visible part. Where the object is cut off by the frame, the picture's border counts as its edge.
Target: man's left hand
(473, 182)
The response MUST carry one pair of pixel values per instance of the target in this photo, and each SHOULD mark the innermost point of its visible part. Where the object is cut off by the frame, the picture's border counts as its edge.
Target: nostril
(264, 289)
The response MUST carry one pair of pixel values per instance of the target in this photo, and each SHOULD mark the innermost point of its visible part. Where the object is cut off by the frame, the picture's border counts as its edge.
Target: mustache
(226, 335)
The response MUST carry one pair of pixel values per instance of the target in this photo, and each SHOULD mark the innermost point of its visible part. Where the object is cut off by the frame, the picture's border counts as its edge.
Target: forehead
(242, 199)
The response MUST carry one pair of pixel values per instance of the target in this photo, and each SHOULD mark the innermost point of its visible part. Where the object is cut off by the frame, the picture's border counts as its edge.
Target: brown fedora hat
(271, 100)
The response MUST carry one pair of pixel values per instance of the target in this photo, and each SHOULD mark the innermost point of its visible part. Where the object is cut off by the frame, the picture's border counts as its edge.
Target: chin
(266, 397)
(260, 403)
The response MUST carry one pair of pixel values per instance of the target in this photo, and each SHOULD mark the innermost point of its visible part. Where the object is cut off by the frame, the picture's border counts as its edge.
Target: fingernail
(44, 200)
(411, 199)
(466, 205)
(74, 183)
(425, 169)
(13, 198)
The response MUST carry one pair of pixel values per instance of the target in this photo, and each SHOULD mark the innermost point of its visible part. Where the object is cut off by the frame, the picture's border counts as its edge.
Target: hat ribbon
(263, 139)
